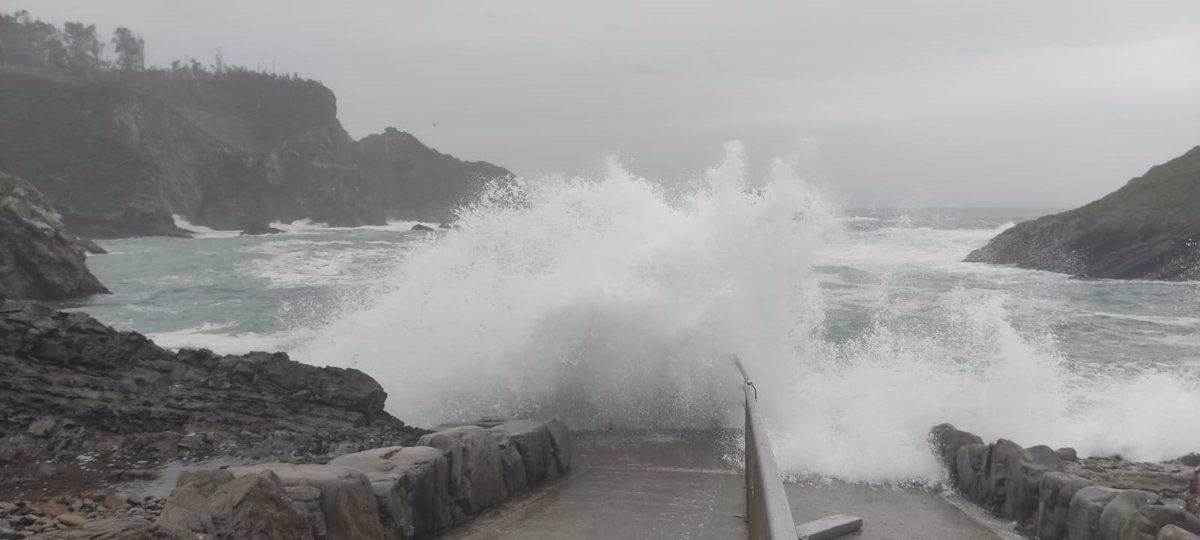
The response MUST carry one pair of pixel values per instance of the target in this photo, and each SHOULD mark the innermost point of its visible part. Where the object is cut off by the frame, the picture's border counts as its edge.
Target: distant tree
(83, 47)
(130, 49)
(219, 62)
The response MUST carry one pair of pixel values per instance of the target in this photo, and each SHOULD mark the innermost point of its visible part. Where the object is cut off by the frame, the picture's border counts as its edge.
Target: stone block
(347, 504)
(216, 504)
(1171, 532)
(411, 487)
(945, 440)
(1120, 509)
(1086, 507)
(479, 463)
(1054, 504)
(1148, 522)
(1025, 471)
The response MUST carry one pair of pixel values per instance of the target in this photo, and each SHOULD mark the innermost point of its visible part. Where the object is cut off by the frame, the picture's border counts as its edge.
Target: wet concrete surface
(683, 484)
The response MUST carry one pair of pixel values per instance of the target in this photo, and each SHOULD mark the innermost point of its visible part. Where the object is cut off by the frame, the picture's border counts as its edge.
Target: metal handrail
(767, 511)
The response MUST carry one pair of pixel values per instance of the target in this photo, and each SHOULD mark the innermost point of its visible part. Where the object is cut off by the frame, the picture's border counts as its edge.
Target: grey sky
(915, 102)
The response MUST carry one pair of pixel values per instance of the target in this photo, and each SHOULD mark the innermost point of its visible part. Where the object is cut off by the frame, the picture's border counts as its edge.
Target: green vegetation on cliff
(1148, 229)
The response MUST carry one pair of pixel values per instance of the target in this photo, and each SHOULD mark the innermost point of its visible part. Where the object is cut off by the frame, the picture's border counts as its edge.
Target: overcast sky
(914, 102)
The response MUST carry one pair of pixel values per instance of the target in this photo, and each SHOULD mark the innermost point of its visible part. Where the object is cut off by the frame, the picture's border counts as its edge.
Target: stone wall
(385, 493)
(1052, 495)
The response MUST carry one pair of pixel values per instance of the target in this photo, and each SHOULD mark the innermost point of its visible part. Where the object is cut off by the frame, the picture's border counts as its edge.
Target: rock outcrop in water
(1148, 229)
(74, 388)
(119, 152)
(39, 259)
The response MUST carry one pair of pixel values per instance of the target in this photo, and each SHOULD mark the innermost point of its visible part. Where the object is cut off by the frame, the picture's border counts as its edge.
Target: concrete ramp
(679, 484)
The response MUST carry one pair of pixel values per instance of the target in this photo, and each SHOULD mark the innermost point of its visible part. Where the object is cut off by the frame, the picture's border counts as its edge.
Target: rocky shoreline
(83, 400)
(1055, 495)
(1148, 229)
(255, 445)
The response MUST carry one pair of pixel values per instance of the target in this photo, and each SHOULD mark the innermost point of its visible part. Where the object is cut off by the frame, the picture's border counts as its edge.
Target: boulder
(515, 475)
(1086, 507)
(1171, 532)
(1067, 454)
(474, 454)
(39, 259)
(411, 487)
(1191, 500)
(1054, 504)
(126, 528)
(945, 440)
(1149, 520)
(996, 482)
(970, 464)
(259, 229)
(422, 228)
(1025, 471)
(346, 507)
(560, 435)
(1121, 509)
(535, 445)
(217, 504)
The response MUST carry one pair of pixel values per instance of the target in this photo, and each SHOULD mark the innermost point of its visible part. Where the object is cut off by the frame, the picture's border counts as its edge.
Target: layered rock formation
(39, 259)
(1148, 229)
(74, 387)
(119, 152)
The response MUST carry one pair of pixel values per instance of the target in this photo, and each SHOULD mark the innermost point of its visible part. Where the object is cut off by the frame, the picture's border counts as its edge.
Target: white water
(612, 303)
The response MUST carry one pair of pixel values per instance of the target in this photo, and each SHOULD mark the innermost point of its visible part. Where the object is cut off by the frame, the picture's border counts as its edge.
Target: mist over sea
(615, 301)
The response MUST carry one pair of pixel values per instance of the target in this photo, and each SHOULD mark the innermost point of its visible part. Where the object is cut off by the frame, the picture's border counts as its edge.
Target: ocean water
(616, 301)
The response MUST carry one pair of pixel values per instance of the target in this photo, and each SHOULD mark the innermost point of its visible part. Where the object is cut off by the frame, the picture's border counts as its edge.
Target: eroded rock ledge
(1053, 495)
(80, 398)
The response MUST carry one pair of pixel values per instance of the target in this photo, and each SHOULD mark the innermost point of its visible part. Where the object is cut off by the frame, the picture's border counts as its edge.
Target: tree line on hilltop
(77, 49)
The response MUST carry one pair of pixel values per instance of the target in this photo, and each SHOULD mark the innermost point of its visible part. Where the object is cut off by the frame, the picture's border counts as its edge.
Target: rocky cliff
(119, 152)
(1148, 229)
(39, 259)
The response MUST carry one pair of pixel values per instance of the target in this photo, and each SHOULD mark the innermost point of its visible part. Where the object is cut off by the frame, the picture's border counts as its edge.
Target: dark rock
(39, 259)
(1146, 523)
(1192, 499)
(419, 183)
(1054, 504)
(1086, 507)
(1121, 509)
(970, 470)
(114, 529)
(945, 440)
(1190, 460)
(1067, 454)
(1171, 532)
(422, 228)
(995, 493)
(1148, 229)
(116, 393)
(1025, 471)
(260, 229)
